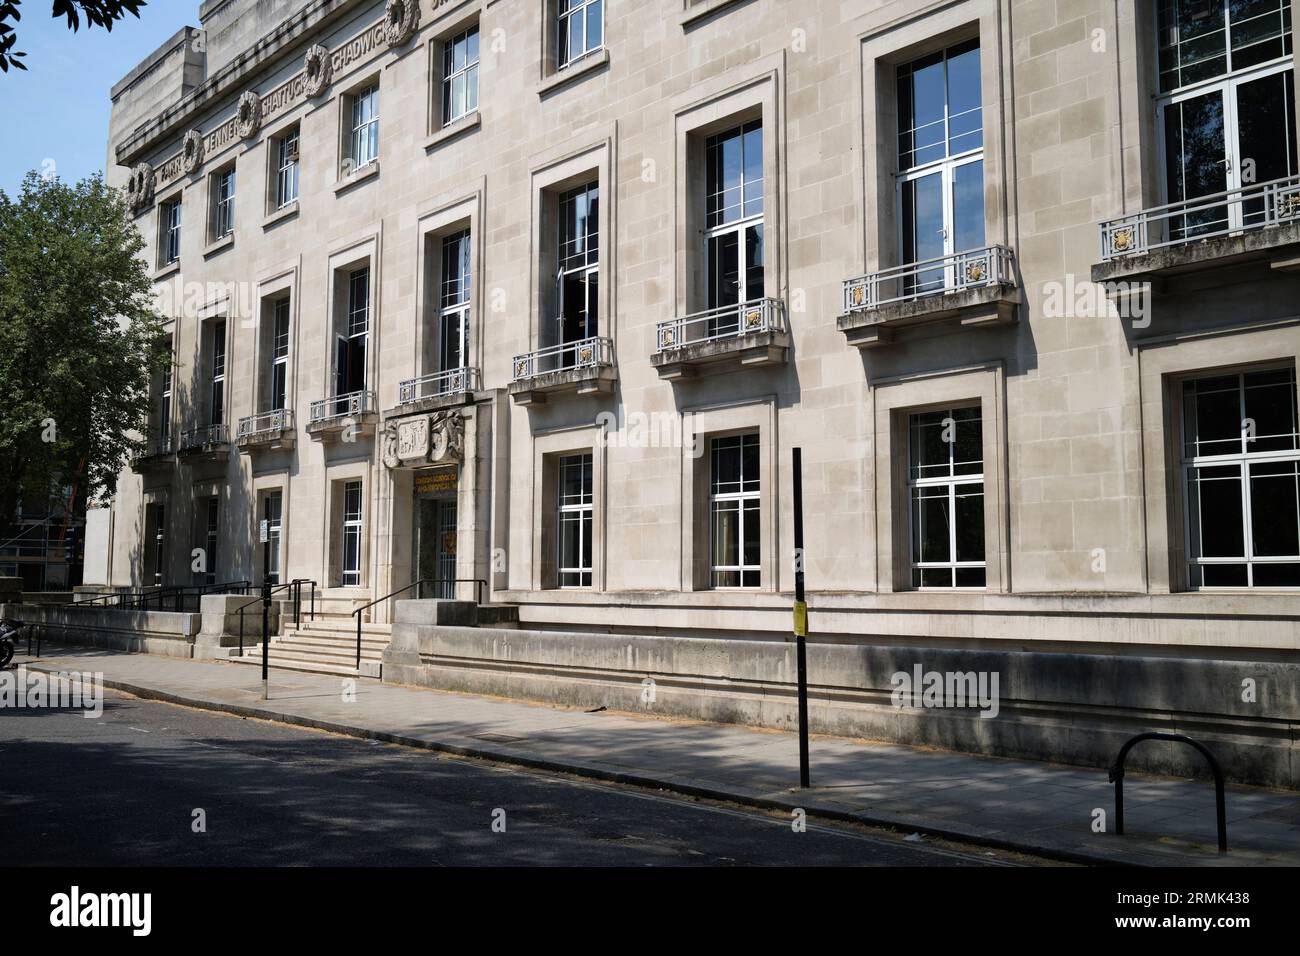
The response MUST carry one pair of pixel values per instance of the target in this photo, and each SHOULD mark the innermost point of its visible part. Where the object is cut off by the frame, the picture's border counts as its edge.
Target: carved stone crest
(401, 19)
(250, 114)
(448, 440)
(192, 151)
(139, 188)
(319, 68)
(424, 439)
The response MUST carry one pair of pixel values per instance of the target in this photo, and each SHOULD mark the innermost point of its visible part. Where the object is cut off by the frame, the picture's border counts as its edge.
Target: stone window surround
(336, 476)
(271, 141)
(344, 98)
(717, 421)
(448, 215)
(213, 242)
(349, 255)
(200, 407)
(176, 194)
(750, 92)
(149, 498)
(548, 448)
(262, 484)
(551, 174)
(552, 75)
(269, 290)
(452, 23)
(200, 492)
(892, 401)
(1163, 365)
(885, 46)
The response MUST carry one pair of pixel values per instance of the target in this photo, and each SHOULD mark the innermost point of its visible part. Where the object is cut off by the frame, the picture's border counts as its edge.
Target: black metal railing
(1117, 778)
(297, 585)
(479, 585)
(173, 597)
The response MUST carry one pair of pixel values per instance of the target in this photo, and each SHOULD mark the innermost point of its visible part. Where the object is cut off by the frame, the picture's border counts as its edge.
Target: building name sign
(372, 40)
(437, 481)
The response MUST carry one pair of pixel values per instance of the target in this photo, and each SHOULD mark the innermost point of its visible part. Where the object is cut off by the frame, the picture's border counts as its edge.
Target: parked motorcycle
(9, 633)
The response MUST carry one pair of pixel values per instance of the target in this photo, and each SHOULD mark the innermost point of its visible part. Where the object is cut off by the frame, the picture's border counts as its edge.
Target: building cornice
(285, 38)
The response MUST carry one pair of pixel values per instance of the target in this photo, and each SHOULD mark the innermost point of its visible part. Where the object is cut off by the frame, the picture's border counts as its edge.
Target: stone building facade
(543, 293)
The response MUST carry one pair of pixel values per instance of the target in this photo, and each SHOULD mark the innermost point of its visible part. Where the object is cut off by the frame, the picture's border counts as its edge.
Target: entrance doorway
(435, 533)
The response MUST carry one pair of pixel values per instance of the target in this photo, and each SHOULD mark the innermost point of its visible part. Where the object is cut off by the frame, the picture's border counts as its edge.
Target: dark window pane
(1215, 496)
(1274, 504)
(970, 522)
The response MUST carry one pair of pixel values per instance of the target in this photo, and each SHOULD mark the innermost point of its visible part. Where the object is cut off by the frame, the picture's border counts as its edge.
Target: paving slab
(1017, 804)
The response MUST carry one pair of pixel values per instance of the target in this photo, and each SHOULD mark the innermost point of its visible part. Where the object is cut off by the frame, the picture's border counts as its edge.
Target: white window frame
(738, 498)
(223, 203)
(738, 226)
(581, 512)
(360, 138)
(218, 381)
(950, 481)
(454, 304)
(1226, 85)
(586, 269)
(567, 10)
(288, 167)
(449, 75)
(171, 231)
(946, 167)
(352, 530)
(280, 352)
(1241, 459)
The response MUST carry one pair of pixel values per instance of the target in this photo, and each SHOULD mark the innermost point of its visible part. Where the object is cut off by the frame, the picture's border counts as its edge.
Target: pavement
(1018, 805)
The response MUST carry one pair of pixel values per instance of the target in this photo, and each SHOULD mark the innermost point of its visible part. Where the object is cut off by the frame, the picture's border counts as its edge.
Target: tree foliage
(98, 13)
(80, 339)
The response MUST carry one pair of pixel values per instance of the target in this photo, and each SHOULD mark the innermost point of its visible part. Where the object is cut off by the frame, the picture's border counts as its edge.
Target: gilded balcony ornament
(139, 188)
(858, 295)
(318, 65)
(401, 20)
(521, 368)
(665, 337)
(192, 151)
(1121, 240)
(585, 353)
(250, 114)
(753, 318)
(1288, 206)
(975, 270)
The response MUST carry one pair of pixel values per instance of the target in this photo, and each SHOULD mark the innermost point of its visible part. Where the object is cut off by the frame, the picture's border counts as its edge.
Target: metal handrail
(1160, 227)
(265, 423)
(216, 434)
(724, 322)
(479, 583)
(156, 445)
(452, 381)
(140, 600)
(341, 406)
(583, 353)
(973, 268)
(1117, 778)
(297, 584)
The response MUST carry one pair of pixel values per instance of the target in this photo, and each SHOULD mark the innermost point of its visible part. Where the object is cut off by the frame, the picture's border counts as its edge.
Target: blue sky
(58, 110)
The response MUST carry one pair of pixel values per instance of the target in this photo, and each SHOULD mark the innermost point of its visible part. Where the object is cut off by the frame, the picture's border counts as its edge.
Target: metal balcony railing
(974, 268)
(341, 406)
(205, 435)
(727, 322)
(157, 445)
(584, 353)
(454, 381)
(1231, 212)
(265, 424)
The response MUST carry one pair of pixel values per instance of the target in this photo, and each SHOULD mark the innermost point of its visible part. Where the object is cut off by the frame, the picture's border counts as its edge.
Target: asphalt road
(123, 790)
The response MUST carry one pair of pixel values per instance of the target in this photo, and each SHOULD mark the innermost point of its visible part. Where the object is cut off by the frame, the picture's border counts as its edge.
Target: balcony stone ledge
(432, 403)
(588, 380)
(982, 306)
(332, 429)
(714, 356)
(1280, 242)
(267, 440)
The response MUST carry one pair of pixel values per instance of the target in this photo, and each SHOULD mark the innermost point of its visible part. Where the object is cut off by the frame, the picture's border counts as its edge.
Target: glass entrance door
(435, 545)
